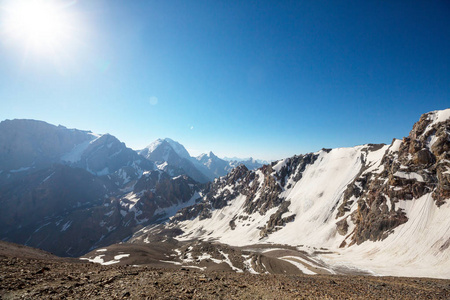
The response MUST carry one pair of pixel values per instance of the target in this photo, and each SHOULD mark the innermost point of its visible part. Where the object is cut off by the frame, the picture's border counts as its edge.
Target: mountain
(382, 208)
(370, 209)
(173, 158)
(250, 163)
(220, 167)
(251, 159)
(213, 165)
(163, 153)
(68, 191)
(29, 145)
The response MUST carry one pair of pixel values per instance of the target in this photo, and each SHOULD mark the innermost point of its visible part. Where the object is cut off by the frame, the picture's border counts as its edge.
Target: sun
(42, 26)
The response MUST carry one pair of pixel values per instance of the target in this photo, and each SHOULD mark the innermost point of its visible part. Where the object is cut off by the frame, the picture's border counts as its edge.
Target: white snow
(103, 172)
(48, 177)
(416, 248)
(228, 261)
(99, 259)
(409, 175)
(162, 166)
(437, 116)
(178, 148)
(120, 256)
(248, 264)
(154, 145)
(20, 170)
(171, 262)
(313, 200)
(299, 263)
(39, 228)
(66, 226)
(170, 211)
(77, 152)
(395, 146)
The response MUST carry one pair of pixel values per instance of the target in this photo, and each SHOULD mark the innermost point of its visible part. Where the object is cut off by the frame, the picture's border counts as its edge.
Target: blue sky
(267, 79)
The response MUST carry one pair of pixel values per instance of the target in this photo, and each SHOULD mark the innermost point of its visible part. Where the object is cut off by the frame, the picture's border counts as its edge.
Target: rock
(424, 157)
(342, 226)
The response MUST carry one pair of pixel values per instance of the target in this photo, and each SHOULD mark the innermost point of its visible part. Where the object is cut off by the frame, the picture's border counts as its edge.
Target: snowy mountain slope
(368, 204)
(29, 145)
(213, 165)
(177, 147)
(299, 192)
(166, 158)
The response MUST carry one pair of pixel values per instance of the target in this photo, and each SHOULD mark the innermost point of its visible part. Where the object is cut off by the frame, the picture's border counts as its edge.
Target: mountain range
(67, 190)
(373, 209)
(173, 158)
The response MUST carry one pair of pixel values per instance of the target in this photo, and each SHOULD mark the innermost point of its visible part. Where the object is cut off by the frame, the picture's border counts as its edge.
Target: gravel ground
(47, 278)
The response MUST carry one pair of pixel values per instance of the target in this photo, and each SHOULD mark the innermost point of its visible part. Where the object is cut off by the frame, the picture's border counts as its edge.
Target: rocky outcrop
(410, 169)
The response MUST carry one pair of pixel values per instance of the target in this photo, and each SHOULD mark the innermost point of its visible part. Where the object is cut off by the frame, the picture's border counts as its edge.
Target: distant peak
(169, 140)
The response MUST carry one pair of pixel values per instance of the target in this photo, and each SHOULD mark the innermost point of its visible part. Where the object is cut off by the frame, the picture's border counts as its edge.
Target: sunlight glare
(41, 25)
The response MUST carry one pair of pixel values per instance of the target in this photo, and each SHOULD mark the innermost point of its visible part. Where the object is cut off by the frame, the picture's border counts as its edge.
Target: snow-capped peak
(177, 147)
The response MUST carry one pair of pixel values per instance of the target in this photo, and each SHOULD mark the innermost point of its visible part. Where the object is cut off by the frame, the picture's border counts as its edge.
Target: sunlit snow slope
(384, 208)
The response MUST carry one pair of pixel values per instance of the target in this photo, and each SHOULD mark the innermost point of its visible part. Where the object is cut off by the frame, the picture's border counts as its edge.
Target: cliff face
(411, 168)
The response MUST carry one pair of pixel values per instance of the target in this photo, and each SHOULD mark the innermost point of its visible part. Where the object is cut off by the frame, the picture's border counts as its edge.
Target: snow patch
(66, 226)
(299, 263)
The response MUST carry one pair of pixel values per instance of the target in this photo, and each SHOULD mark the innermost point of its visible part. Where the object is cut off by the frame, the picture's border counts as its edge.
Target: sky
(267, 79)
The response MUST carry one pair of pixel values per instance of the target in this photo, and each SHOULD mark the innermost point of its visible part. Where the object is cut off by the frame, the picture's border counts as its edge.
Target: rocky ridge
(336, 198)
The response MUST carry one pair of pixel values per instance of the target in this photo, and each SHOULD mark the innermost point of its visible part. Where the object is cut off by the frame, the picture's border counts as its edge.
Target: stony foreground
(27, 278)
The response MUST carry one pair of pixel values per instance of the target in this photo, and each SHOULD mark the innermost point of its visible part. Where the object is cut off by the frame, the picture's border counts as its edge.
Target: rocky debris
(19, 278)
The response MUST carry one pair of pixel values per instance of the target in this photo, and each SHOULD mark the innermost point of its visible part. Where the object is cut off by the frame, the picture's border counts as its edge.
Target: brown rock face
(418, 167)
(423, 157)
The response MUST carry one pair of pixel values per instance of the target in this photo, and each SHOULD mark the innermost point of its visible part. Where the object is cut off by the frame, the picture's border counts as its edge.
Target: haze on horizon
(253, 78)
